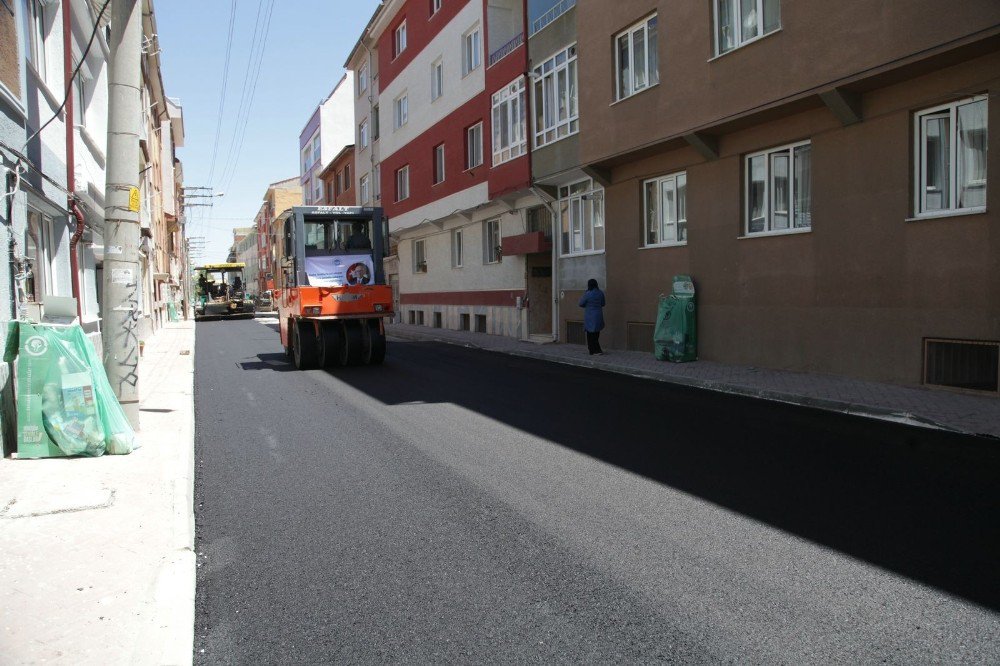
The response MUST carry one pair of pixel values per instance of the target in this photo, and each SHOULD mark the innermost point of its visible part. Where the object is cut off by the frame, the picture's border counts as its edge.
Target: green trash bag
(172, 312)
(66, 406)
(675, 335)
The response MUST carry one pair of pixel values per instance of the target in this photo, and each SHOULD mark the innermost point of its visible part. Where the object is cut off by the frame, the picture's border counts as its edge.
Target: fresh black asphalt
(459, 506)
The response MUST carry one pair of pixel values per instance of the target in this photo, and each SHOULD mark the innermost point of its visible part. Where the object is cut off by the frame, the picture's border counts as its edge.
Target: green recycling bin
(675, 337)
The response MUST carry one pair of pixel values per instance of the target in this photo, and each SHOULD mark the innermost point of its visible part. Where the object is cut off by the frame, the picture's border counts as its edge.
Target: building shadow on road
(918, 502)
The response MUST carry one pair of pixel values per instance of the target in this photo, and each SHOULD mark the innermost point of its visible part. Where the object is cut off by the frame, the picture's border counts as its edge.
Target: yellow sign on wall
(133, 199)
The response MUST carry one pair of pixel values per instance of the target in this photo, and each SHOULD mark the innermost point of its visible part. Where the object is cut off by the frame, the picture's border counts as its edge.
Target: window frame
(363, 75)
(377, 182)
(399, 39)
(478, 129)
(37, 37)
(419, 256)
(589, 196)
(437, 79)
(513, 99)
(659, 182)
(768, 156)
(347, 177)
(920, 159)
(634, 29)
(376, 121)
(472, 57)
(363, 134)
(363, 192)
(737, 15)
(438, 164)
(492, 252)
(549, 70)
(403, 182)
(400, 111)
(457, 248)
(435, 7)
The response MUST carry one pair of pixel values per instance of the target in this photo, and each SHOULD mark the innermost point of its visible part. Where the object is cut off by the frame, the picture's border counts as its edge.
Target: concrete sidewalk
(971, 414)
(96, 554)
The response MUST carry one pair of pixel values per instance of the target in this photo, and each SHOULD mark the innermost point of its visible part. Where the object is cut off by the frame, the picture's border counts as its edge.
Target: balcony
(557, 10)
(532, 242)
(506, 49)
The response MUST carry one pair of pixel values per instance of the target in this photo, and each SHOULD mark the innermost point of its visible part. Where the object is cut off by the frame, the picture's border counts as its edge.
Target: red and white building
(453, 159)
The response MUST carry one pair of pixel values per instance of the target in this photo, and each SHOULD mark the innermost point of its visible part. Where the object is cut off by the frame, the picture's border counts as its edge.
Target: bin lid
(683, 285)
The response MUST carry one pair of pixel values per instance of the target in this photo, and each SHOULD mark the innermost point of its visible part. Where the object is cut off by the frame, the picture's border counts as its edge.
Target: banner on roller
(344, 270)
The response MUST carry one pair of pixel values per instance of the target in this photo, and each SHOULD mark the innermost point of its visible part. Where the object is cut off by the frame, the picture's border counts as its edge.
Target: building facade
(339, 185)
(453, 160)
(821, 175)
(280, 196)
(330, 128)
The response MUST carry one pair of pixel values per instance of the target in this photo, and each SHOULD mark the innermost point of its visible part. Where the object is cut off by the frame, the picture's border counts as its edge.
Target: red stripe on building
(421, 28)
(503, 298)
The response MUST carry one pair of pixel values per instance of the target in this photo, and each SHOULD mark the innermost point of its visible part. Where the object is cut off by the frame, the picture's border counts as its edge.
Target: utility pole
(121, 215)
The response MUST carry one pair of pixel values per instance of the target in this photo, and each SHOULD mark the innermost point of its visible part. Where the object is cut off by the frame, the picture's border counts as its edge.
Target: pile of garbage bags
(66, 407)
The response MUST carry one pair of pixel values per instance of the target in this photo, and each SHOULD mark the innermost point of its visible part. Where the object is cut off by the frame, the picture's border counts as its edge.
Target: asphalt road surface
(460, 506)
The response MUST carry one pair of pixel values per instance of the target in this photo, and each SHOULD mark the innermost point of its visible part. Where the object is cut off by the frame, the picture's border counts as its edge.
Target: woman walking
(592, 303)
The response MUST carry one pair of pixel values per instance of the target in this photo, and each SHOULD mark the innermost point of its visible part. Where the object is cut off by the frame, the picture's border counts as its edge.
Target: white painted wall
(336, 121)
(415, 80)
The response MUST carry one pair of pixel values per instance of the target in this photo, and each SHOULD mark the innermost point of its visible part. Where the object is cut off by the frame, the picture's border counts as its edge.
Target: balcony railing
(507, 48)
(557, 10)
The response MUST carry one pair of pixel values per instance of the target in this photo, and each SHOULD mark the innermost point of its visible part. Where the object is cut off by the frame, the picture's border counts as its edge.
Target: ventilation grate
(640, 336)
(575, 334)
(964, 364)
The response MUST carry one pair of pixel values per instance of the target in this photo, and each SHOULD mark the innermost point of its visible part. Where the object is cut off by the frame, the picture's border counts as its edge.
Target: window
(377, 182)
(456, 248)
(637, 58)
(347, 177)
(363, 189)
(330, 193)
(363, 134)
(437, 79)
(36, 37)
(738, 22)
(510, 138)
(362, 79)
(439, 164)
(556, 102)
(40, 251)
(666, 210)
(491, 241)
(471, 47)
(400, 111)
(375, 123)
(435, 7)
(403, 183)
(474, 146)
(80, 99)
(306, 159)
(950, 157)
(580, 209)
(419, 257)
(399, 39)
(317, 154)
(778, 196)
(317, 189)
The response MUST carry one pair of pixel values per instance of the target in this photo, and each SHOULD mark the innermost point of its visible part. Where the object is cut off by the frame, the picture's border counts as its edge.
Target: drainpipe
(74, 261)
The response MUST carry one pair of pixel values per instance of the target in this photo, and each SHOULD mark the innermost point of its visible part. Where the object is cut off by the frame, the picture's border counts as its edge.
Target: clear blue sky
(307, 44)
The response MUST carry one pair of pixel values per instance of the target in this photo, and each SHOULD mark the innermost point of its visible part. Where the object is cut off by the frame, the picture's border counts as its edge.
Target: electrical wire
(233, 162)
(69, 84)
(222, 94)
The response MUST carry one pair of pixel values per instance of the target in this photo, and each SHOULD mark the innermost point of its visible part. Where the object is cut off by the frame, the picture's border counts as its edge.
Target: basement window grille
(437, 320)
(463, 322)
(971, 365)
(480, 323)
(575, 334)
(639, 336)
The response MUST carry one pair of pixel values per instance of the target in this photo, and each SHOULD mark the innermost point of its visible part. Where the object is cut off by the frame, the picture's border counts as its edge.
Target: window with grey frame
(950, 155)
(492, 251)
(36, 33)
(474, 146)
(738, 22)
(439, 163)
(778, 191)
(637, 58)
(437, 79)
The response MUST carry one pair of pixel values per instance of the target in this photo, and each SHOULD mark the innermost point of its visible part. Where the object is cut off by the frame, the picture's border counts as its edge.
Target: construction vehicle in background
(220, 292)
(330, 289)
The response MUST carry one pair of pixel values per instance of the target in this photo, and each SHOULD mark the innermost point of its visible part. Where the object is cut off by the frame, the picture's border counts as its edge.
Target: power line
(222, 94)
(234, 162)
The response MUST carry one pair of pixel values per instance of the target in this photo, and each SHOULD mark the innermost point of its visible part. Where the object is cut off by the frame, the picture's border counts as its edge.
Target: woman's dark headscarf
(591, 284)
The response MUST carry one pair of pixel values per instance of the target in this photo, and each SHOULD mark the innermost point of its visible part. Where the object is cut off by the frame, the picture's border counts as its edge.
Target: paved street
(456, 505)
